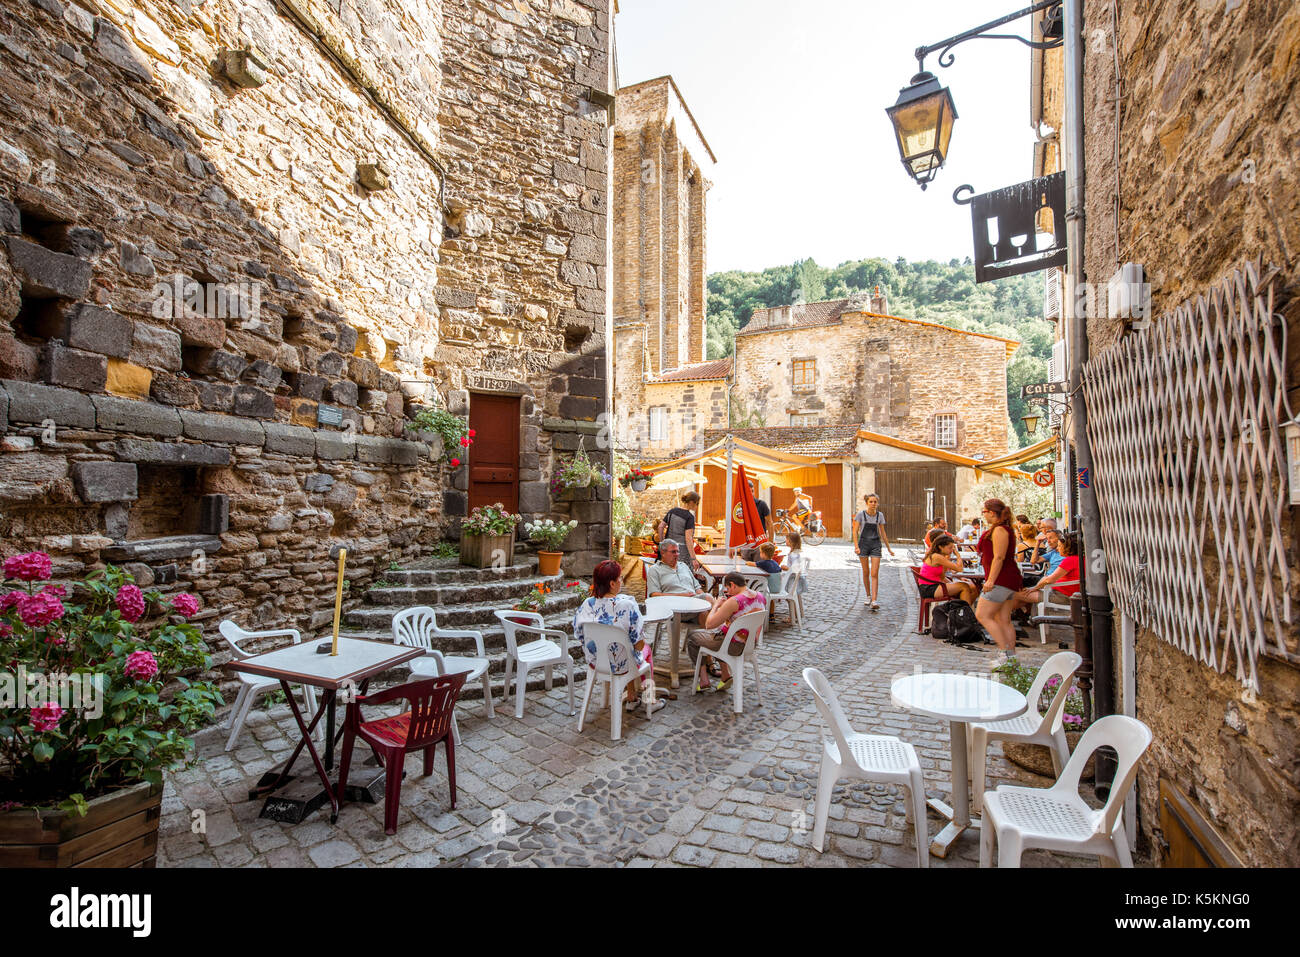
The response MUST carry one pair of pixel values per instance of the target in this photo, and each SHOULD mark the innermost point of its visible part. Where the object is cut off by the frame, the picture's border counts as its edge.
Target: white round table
(666, 607)
(957, 699)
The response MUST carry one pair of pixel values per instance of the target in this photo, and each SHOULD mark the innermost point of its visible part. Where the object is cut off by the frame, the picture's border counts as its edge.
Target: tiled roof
(715, 369)
(808, 314)
(824, 441)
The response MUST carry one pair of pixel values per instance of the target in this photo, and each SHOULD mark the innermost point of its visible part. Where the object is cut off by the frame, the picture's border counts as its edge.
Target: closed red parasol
(745, 526)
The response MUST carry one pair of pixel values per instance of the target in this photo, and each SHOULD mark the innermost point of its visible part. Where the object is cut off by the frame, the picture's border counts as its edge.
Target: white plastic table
(665, 607)
(958, 699)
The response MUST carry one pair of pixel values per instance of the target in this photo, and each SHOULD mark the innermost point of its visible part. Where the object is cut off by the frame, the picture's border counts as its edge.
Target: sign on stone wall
(488, 383)
(1005, 228)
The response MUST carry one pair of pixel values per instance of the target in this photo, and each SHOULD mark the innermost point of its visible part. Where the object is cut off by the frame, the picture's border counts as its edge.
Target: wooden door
(713, 496)
(903, 499)
(494, 456)
(827, 499)
(1190, 840)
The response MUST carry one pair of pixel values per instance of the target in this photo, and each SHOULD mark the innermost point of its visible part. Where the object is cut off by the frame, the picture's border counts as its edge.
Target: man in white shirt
(668, 576)
(970, 531)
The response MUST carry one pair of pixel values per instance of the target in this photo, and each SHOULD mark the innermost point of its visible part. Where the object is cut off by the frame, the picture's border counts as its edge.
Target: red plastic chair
(433, 701)
(923, 622)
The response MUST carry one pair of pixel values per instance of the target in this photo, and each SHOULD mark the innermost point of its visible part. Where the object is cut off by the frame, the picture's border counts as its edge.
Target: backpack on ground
(955, 622)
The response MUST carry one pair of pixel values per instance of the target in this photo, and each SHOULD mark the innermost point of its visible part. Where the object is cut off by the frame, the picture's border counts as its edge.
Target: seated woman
(739, 599)
(1068, 571)
(939, 562)
(607, 607)
(1028, 535)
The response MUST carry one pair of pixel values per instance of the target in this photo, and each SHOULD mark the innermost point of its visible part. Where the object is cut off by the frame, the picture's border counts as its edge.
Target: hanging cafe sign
(1018, 229)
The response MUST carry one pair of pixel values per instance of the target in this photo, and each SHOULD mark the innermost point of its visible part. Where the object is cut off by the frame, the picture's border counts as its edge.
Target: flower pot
(481, 551)
(1038, 760)
(638, 485)
(548, 563)
(120, 829)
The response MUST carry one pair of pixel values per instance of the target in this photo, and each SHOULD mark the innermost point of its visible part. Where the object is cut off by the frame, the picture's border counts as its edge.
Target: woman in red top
(1067, 571)
(1001, 579)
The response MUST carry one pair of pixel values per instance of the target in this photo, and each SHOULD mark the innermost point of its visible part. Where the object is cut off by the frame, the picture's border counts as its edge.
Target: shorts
(998, 594)
(869, 549)
(929, 588)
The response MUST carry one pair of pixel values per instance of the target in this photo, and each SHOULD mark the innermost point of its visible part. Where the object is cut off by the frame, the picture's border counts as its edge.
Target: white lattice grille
(1185, 420)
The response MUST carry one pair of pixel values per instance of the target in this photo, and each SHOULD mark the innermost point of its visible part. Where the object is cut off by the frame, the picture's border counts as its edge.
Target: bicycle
(813, 533)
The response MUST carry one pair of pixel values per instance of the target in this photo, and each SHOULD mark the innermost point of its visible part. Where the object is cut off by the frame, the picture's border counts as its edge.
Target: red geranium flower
(455, 463)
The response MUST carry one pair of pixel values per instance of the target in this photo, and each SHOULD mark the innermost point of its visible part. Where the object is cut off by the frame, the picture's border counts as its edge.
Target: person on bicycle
(801, 510)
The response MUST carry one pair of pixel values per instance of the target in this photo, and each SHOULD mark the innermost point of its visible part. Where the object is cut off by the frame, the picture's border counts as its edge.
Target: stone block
(135, 262)
(18, 360)
(46, 274)
(290, 439)
(117, 520)
(308, 386)
(254, 402)
(364, 372)
(387, 451)
(344, 393)
(303, 412)
(222, 428)
(91, 328)
(215, 396)
(128, 379)
(125, 415)
(331, 364)
(584, 386)
(214, 514)
(288, 358)
(318, 482)
(114, 46)
(346, 342)
(105, 481)
(262, 373)
(201, 332)
(455, 298)
(32, 403)
(335, 445)
(85, 371)
(534, 498)
(458, 401)
(173, 390)
(144, 452)
(216, 363)
(580, 407)
(154, 347)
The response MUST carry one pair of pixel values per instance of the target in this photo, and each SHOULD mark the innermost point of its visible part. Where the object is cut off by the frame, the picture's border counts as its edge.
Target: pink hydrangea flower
(130, 602)
(29, 567)
(40, 609)
(141, 666)
(58, 590)
(6, 629)
(45, 717)
(11, 599)
(56, 640)
(186, 604)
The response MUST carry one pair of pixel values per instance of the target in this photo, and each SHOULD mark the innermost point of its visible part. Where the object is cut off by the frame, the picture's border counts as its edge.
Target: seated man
(669, 576)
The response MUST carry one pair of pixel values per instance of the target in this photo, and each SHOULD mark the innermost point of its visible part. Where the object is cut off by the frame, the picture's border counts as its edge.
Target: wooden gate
(827, 499)
(494, 456)
(903, 498)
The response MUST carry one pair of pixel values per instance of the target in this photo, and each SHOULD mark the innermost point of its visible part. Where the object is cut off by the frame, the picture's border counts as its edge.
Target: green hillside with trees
(934, 291)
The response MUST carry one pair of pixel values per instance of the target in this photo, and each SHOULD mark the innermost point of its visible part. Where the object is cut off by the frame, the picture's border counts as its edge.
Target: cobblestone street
(697, 785)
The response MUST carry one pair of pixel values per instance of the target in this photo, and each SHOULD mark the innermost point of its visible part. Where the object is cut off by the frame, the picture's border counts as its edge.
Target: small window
(945, 431)
(805, 418)
(805, 374)
(659, 423)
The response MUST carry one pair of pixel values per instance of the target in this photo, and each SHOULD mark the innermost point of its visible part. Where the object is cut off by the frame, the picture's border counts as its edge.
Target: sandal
(724, 685)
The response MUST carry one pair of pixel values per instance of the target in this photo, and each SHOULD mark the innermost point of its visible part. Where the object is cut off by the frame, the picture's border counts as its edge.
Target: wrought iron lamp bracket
(1051, 24)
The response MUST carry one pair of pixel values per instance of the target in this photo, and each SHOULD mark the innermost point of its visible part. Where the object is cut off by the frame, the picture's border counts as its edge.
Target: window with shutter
(945, 431)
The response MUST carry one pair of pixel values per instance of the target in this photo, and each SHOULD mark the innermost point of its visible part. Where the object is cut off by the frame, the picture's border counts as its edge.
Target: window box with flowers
(105, 685)
(487, 537)
(578, 479)
(1035, 757)
(549, 535)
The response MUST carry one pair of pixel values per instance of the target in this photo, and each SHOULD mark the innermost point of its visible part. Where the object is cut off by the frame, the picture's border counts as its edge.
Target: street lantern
(1031, 421)
(922, 120)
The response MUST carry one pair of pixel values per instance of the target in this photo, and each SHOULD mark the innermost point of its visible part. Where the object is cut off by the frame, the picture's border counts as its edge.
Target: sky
(791, 97)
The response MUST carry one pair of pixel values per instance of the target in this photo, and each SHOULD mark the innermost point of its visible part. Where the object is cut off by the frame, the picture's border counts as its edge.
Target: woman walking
(1001, 579)
(869, 535)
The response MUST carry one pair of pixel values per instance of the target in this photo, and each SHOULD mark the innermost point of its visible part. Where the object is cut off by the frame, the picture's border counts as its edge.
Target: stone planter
(479, 551)
(1037, 759)
(548, 563)
(119, 830)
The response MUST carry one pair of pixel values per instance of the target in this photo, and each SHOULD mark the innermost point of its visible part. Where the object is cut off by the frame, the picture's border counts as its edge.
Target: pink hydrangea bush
(137, 663)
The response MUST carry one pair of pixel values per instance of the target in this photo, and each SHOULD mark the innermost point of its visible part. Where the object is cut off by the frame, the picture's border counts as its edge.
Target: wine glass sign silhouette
(1019, 228)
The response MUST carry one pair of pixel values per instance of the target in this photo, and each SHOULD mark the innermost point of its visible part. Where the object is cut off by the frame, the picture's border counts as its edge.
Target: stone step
(446, 596)
(480, 616)
(447, 571)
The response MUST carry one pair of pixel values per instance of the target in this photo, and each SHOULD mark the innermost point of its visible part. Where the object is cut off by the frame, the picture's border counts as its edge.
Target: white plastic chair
(1056, 818)
(1031, 727)
(254, 686)
(416, 628)
(753, 622)
(879, 758)
(1050, 591)
(541, 653)
(607, 638)
(790, 595)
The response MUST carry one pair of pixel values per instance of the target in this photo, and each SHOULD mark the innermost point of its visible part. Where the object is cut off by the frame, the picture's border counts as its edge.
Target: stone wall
(892, 375)
(1206, 179)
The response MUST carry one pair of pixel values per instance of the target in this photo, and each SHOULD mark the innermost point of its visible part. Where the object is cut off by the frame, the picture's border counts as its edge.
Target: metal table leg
(958, 814)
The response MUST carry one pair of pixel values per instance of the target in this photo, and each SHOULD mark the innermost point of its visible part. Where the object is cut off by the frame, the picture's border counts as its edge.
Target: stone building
(662, 165)
(850, 361)
(1191, 119)
(244, 241)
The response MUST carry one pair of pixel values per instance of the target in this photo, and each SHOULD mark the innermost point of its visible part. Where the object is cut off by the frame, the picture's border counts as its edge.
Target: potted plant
(578, 478)
(549, 536)
(535, 600)
(1035, 757)
(638, 479)
(100, 701)
(452, 430)
(487, 536)
(634, 529)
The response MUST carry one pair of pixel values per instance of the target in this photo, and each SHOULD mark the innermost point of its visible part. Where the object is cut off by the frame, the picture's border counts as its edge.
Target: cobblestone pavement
(695, 786)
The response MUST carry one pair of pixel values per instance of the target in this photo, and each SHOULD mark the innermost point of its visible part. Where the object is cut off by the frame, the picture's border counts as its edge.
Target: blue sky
(792, 97)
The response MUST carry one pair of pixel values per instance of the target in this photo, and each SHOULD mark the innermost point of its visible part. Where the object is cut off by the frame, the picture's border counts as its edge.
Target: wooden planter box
(478, 551)
(1036, 758)
(119, 830)
(632, 545)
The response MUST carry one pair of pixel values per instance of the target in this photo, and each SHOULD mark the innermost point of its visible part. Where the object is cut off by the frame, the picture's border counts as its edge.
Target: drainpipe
(1088, 514)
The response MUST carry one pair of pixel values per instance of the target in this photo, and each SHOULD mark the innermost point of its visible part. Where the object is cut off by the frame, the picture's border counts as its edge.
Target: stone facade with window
(849, 361)
(419, 212)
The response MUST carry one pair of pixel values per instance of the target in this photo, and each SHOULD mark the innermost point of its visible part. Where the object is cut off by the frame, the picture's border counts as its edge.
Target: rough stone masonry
(240, 244)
